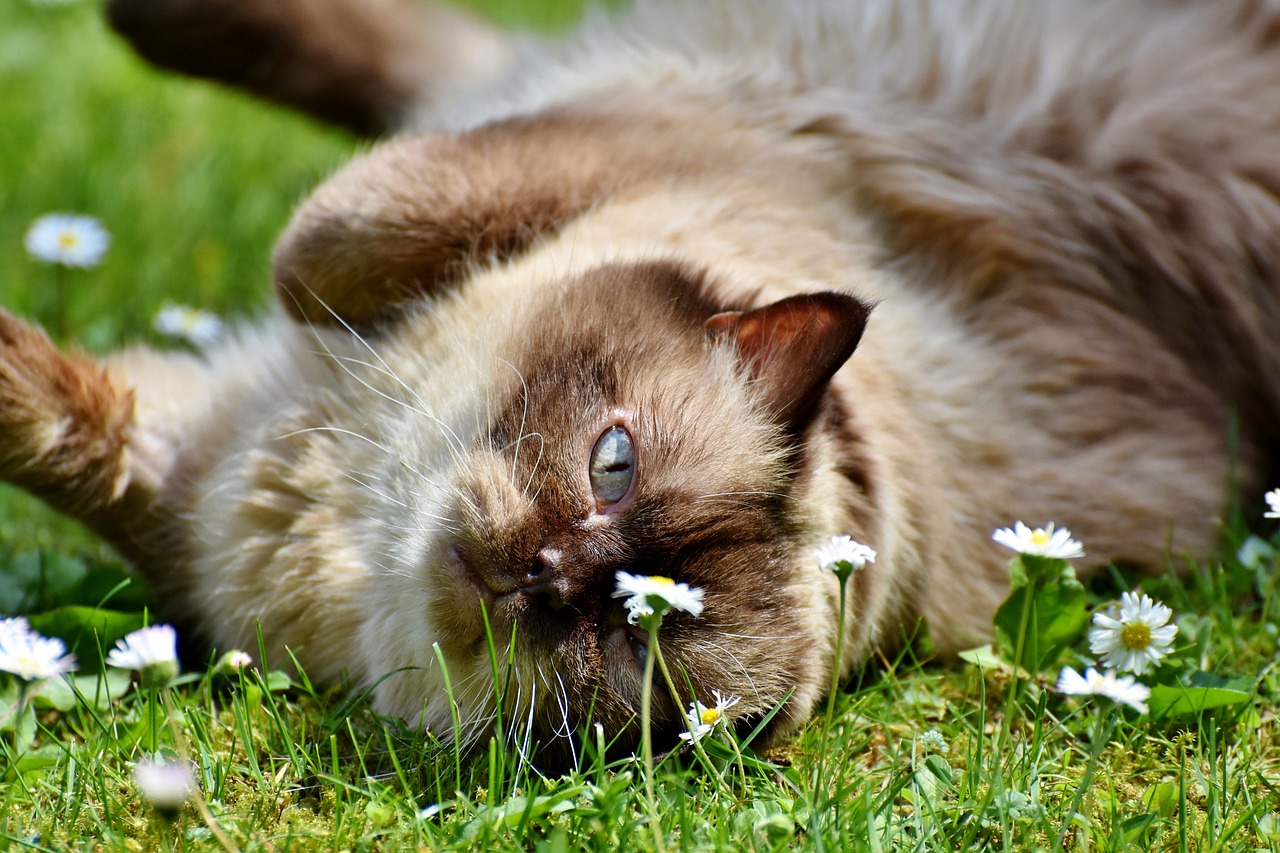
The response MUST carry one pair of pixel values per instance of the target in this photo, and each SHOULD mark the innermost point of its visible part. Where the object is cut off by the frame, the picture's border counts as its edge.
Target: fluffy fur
(1064, 213)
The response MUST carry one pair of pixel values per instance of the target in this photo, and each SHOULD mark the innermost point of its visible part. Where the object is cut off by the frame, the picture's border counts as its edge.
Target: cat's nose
(545, 580)
(548, 560)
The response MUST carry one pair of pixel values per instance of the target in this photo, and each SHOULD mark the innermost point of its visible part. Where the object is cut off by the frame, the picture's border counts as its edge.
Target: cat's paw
(63, 421)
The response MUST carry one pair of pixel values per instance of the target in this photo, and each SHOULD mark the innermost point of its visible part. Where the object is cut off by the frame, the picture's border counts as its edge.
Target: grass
(193, 184)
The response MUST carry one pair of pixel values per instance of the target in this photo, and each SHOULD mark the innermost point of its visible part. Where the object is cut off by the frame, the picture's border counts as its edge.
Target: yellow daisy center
(710, 716)
(1040, 537)
(68, 239)
(1135, 636)
(661, 581)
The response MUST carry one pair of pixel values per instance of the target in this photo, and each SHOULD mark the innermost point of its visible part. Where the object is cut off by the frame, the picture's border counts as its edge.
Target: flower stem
(646, 733)
(843, 578)
(656, 652)
(835, 669)
(1106, 725)
(60, 302)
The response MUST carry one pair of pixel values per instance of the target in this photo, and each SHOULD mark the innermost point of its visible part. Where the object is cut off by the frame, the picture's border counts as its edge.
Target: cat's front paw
(63, 422)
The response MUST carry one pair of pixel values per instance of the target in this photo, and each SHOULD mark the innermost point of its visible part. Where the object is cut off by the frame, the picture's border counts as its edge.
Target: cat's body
(1065, 215)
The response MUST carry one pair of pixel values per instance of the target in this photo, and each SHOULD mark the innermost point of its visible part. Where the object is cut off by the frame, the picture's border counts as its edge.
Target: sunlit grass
(194, 183)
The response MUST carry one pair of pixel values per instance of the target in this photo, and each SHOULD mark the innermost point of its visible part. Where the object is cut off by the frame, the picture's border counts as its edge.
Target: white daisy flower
(1040, 542)
(166, 785)
(1273, 501)
(68, 239)
(152, 652)
(701, 720)
(236, 660)
(1255, 552)
(196, 325)
(30, 656)
(1121, 689)
(655, 594)
(1134, 636)
(843, 555)
(933, 740)
(13, 626)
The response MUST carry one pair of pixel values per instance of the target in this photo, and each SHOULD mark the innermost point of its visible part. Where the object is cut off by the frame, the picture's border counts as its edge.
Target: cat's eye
(638, 649)
(612, 466)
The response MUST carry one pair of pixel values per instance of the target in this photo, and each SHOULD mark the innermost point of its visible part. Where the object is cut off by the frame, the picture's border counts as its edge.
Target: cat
(686, 293)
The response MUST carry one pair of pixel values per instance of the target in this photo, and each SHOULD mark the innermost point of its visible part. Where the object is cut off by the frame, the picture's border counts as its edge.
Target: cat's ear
(793, 347)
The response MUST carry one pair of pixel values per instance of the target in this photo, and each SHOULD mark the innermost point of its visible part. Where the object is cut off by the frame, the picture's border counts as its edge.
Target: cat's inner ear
(791, 348)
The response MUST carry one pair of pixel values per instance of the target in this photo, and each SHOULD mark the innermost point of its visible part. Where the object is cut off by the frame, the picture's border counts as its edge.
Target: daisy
(933, 740)
(1254, 553)
(1041, 542)
(195, 325)
(1135, 637)
(1120, 689)
(655, 594)
(67, 239)
(702, 720)
(30, 656)
(843, 555)
(166, 785)
(1273, 501)
(152, 652)
(12, 627)
(235, 661)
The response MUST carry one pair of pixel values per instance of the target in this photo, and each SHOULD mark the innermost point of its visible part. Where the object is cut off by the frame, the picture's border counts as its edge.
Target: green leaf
(19, 580)
(1054, 613)
(984, 657)
(97, 691)
(1027, 569)
(1162, 798)
(1136, 829)
(278, 682)
(31, 763)
(35, 580)
(1205, 692)
(86, 631)
(20, 719)
(517, 809)
(113, 585)
(1019, 577)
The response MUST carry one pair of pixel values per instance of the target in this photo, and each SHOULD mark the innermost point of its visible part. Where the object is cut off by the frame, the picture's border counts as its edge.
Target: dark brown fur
(1072, 255)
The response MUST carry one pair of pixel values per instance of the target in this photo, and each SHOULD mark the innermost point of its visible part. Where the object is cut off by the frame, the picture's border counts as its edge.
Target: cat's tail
(363, 64)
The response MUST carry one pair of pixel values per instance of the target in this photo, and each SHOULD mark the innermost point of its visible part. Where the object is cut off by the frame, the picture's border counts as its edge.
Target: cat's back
(997, 64)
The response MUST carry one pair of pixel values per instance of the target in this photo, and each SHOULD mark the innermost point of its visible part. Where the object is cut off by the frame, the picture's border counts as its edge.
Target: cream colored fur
(966, 165)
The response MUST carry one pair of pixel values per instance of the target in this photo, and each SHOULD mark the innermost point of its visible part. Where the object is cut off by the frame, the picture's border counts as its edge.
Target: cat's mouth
(461, 570)
(499, 594)
(495, 586)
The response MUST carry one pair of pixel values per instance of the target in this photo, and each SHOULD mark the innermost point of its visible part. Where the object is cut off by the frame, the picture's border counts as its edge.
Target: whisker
(451, 439)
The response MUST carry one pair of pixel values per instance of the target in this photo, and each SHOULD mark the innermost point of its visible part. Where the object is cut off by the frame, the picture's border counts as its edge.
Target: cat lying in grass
(686, 293)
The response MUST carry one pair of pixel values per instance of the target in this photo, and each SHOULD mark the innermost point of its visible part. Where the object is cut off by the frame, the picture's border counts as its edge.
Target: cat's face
(633, 438)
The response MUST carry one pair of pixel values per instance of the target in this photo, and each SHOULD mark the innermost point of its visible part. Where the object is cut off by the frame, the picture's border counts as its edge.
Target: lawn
(193, 183)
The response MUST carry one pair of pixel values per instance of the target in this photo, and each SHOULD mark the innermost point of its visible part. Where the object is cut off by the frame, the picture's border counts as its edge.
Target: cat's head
(630, 425)
(631, 422)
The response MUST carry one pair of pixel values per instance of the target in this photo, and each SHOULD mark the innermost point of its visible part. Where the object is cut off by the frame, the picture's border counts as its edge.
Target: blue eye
(638, 649)
(612, 466)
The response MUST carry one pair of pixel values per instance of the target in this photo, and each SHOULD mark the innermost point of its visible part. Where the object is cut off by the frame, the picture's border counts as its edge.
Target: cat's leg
(74, 433)
(362, 64)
